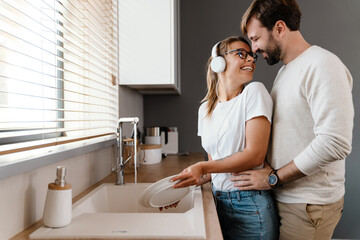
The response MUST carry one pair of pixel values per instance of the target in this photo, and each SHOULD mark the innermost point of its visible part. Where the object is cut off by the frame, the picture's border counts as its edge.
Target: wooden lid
(53, 186)
(150, 146)
(128, 140)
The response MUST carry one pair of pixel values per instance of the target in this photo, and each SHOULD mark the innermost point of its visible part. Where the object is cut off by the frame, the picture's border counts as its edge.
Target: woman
(234, 125)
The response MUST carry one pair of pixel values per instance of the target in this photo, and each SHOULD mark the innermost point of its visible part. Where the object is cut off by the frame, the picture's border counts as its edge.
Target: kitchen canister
(152, 139)
(58, 203)
(152, 135)
(150, 153)
(128, 154)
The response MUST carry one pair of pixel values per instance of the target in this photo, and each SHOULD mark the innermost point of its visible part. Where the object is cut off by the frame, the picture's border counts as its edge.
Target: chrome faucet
(120, 163)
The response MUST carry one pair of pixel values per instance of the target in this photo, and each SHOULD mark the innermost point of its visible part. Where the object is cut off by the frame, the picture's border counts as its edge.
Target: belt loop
(238, 196)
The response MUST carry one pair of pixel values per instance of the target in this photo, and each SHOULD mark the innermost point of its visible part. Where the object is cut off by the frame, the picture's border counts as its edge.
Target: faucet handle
(127, 160)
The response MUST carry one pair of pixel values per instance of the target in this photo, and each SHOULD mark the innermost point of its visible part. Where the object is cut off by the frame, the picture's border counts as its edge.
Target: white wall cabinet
(149, 48)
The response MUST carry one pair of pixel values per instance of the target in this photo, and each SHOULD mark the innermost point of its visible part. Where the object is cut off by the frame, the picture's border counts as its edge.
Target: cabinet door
(148, 44)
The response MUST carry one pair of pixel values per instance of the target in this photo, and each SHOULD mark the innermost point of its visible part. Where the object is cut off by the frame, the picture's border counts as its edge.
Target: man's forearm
(259, 179)
(289, 173)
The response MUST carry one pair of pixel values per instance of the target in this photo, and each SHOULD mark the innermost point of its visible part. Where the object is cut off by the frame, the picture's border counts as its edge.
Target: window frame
(28, 158)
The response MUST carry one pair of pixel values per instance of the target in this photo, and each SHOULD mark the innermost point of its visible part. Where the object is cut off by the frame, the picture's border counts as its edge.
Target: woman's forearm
(204, 179)
(239, 161)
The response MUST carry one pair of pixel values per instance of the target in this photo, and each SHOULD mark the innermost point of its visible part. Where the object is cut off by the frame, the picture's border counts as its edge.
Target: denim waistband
(238, 194)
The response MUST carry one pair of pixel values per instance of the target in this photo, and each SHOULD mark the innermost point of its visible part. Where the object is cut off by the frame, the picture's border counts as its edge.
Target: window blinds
(58, 72)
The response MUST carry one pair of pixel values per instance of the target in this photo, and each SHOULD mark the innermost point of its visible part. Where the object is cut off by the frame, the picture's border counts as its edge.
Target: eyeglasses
(243, 53)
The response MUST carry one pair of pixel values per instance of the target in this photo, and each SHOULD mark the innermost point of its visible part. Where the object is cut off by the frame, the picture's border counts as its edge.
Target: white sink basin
(112, 211)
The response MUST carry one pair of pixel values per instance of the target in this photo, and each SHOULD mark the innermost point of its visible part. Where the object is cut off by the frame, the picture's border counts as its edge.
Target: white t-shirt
(224, 133)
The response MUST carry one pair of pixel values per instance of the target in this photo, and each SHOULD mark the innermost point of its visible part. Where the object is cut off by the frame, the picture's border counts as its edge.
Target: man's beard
(273, 51)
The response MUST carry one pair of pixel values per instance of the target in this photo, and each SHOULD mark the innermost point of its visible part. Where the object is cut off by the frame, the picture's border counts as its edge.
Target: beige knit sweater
(312, 125)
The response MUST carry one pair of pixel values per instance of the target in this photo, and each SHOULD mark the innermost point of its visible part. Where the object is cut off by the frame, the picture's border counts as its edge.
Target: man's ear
(279, 29)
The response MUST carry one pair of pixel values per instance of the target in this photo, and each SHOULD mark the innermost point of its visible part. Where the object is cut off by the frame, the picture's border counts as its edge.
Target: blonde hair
(212, 78)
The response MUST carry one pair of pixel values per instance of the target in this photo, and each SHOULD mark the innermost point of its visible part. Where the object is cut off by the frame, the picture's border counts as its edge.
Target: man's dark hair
(268, 12)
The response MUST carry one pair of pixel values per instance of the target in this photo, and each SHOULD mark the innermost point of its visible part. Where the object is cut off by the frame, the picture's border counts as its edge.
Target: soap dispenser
(58, 203)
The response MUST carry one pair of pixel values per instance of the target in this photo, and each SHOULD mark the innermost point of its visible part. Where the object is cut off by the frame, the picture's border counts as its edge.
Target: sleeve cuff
(305, 164)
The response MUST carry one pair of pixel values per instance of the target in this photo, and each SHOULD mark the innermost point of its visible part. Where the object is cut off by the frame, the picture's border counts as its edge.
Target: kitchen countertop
(170, 165)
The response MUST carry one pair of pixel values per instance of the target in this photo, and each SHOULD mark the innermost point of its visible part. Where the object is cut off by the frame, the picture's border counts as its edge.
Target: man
(312, 123)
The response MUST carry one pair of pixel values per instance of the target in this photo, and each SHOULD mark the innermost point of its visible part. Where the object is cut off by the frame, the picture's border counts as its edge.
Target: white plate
(153, 188)
(168, 195)
(161, 193)
(147, 193)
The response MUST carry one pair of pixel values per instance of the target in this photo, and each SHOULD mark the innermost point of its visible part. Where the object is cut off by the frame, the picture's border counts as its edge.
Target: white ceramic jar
(150, 153)
(152, 139)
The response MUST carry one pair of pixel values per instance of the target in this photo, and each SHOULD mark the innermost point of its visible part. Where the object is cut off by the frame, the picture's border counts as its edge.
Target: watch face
(272, 179)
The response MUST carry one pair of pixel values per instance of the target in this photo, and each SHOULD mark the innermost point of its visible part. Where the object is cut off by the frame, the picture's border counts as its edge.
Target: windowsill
(17, 163)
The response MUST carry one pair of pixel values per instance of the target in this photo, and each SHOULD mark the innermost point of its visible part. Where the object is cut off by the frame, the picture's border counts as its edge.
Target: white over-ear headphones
(218, 63)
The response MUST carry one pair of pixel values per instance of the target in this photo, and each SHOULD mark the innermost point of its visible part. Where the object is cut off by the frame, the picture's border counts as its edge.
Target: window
(58, 72)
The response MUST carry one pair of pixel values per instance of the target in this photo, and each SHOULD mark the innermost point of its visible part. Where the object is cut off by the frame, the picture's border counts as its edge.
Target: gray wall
(331, 24)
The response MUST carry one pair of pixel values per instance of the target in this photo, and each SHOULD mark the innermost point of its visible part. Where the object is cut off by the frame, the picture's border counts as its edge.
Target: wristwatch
(273, 179)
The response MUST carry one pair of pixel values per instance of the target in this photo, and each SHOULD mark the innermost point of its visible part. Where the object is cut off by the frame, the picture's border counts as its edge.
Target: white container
(172, 145)
(150, 154)
(58, 203)
(152, 140)
(58, 206)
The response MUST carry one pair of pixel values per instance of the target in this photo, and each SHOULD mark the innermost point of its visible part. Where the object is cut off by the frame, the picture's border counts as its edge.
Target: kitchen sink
(113, 211)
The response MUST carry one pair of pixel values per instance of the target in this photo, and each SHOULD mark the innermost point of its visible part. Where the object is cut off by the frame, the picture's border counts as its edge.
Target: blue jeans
(247, 214)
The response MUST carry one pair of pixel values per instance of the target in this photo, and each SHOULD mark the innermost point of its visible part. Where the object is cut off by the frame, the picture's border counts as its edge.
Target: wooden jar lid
(130, 141)
(150, 146)
(53, 186)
